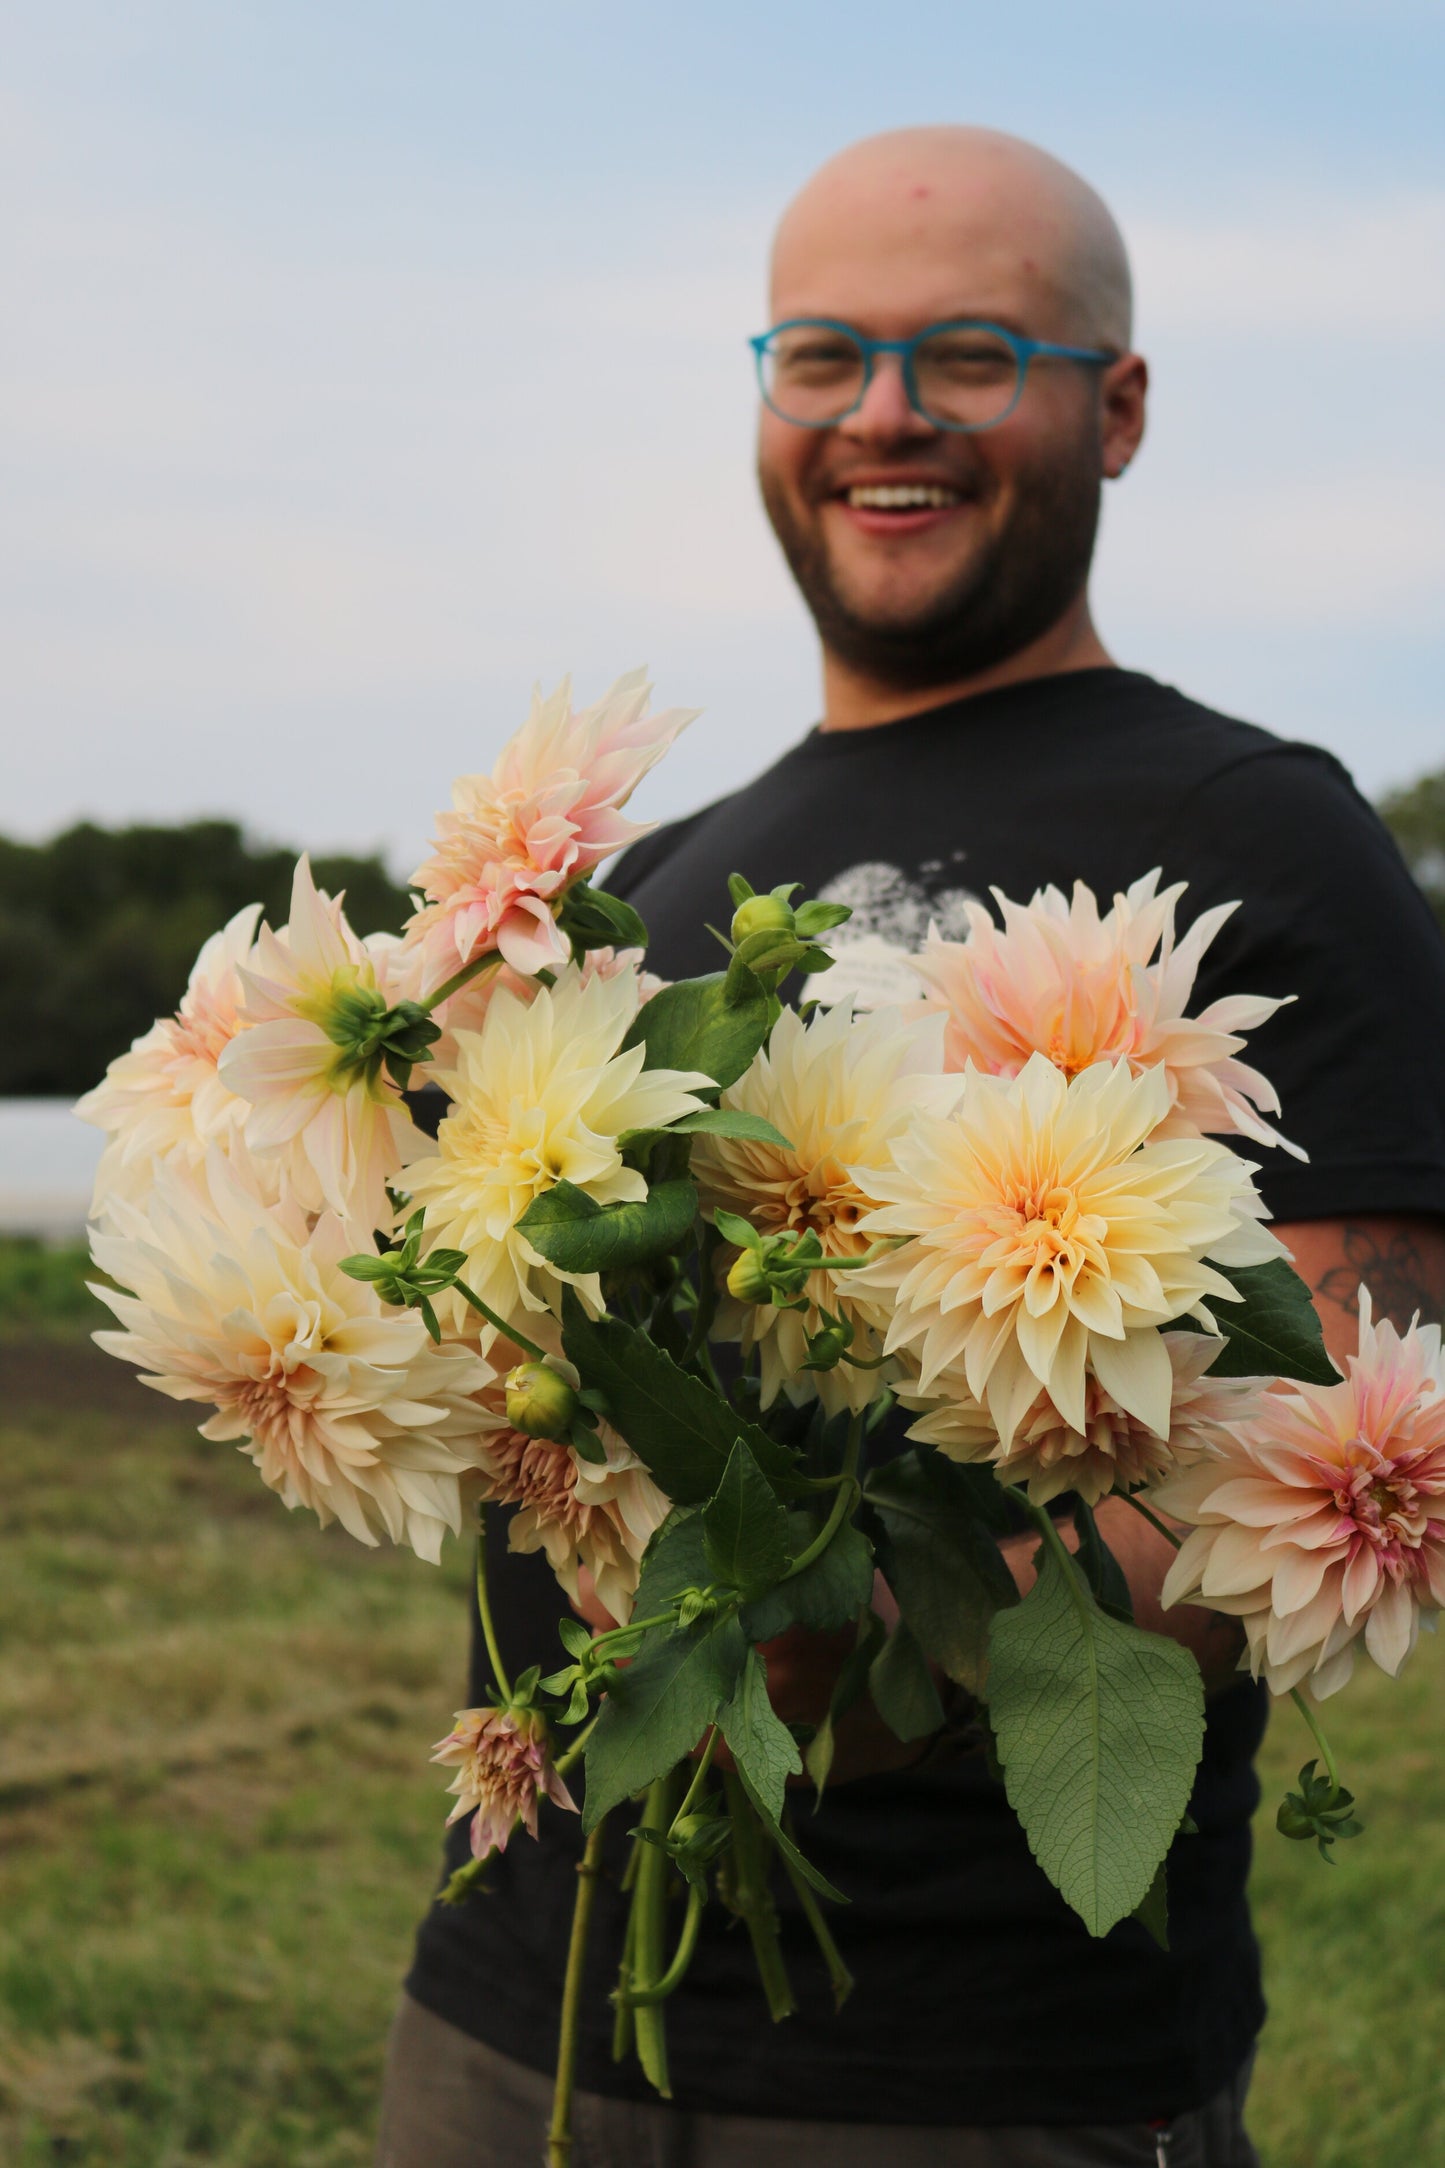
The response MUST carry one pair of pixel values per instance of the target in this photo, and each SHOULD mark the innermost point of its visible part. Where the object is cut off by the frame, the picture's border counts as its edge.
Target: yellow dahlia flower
(540, 1095)
(1052, 1234)
(345, 1409)
(1113, 1450)
(842, 1089)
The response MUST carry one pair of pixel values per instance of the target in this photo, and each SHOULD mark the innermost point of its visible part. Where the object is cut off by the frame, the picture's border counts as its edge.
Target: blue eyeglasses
(959, 375)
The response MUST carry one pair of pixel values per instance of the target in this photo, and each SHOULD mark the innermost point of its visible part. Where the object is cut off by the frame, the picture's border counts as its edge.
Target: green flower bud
(761, 914)
(539, 1403)
(748, 1279)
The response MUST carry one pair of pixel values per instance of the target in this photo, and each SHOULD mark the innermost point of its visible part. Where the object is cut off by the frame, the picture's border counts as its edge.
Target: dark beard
(1009, 598)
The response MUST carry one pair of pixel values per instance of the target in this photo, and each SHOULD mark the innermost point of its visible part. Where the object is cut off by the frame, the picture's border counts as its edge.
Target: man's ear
(1123, 390)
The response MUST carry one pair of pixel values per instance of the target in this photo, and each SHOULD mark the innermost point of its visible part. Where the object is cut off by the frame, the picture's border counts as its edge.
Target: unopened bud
(748, 1279)
(761, 914)
(539, 1403)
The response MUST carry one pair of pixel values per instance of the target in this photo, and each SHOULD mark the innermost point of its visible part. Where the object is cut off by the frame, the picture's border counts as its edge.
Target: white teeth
(899, 497)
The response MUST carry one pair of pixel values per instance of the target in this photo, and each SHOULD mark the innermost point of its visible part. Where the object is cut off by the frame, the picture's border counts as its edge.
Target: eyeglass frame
(1024, 351)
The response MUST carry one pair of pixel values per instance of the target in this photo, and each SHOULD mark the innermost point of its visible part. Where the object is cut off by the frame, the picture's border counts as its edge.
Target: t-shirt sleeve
(1327, 912)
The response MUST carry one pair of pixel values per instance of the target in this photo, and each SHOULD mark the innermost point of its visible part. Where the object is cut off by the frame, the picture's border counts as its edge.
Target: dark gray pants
(449, 2102)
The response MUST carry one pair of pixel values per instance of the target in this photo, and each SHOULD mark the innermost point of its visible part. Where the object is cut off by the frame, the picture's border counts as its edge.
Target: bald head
(949, 222)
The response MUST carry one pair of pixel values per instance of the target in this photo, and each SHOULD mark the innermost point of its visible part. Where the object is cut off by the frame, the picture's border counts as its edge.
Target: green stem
(752, 1899)
(623, 2031)
(649, 1901)
(704, 1763)
(484, 1610)
(458, 980)
(508, 1332)
(840, 1978)
(1319, 1738)
(576, 1750)
(1153, 1519)
(559, 2135)
(644, 1998)
(842, 1505)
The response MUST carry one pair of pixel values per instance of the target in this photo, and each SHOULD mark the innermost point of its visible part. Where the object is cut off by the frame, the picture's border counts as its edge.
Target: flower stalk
(559, 2134)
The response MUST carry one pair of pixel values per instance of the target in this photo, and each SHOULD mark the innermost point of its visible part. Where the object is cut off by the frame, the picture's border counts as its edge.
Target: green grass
(218, 1824)
(43, 1290)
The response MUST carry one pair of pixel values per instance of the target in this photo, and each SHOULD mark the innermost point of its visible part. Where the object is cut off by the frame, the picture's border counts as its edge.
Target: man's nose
(885, 412)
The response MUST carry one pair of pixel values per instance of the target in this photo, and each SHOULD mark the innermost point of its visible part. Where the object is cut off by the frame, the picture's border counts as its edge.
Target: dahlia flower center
(205, 1026)
(820, 1200)
(539, 1473)
(1381, 1503)
(269, 1404)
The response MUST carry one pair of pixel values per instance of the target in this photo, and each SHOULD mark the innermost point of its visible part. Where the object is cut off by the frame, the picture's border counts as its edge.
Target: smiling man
(947, 383)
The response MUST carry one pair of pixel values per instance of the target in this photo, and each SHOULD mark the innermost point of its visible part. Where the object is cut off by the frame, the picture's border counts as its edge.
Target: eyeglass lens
(964, 377)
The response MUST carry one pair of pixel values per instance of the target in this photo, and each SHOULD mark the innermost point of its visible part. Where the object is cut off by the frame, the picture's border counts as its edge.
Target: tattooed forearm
(1399, 1264)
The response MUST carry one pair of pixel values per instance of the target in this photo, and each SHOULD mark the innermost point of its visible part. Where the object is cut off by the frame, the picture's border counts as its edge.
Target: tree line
(99, 927)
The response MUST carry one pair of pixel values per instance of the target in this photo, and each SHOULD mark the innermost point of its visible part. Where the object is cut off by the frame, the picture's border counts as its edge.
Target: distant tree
(99, 929)
(1416, 818)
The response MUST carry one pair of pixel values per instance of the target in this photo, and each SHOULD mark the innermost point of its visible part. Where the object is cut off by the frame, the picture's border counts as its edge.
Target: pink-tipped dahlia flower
(516, 840)
(503, 1760)
(1060, 980)
(1113, 1451)
(1323, 1520)
(335, 1130)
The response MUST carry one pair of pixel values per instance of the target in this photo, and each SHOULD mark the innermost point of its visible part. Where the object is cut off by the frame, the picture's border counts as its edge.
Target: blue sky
(367, 362)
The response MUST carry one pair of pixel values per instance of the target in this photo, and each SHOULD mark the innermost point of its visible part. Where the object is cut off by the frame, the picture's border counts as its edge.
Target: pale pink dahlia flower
(841, 1089)
(503, 1760)
(165, 1097)
(1113, 1451)
(335, 1133)
(516, 840)
(1324, 1519)
(1058, 979)
(1053, 1232)
(345, 1408)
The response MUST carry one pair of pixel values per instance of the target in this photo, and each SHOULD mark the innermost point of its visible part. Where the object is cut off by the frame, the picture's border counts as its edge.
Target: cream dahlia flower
(165, 1097)
(344, 1408)
(467, 1008)
(336, 1133)
(1113, 1451)
(541, 1094)
(1324, 1520)
(1053, 1233)
(503, 1760)
(1057, 979)
(516, 840)
(842, 1089)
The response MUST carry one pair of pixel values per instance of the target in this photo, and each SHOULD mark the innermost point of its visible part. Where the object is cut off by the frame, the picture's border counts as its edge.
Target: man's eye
(815, 359)
(967, 358)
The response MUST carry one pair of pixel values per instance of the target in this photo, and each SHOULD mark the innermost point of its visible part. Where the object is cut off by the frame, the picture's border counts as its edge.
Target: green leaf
(739, 889)
(849, 1686)
(715, 1024)
(731, 1122)
(761, 1742)
(1102, 1570)
(941, 1561)
(785, 1844)
(591, 918)
(1099, 1728)
(824, 1596)
(576, 1234)
(812, 919)
(745, 1530)
(678, 1426)
(675, 1559)
(902, 1686)
(658, 1708)
(1273, 1331)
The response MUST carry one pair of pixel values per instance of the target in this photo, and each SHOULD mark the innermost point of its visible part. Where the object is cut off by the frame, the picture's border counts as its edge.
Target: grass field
(217, 1821)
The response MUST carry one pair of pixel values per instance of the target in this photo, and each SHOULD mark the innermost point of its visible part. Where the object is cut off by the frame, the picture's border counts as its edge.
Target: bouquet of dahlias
(673, 1253)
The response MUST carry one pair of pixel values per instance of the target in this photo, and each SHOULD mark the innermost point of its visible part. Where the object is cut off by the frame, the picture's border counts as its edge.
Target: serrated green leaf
(745, 1530)
(902, 1687)
(715, 1024)
(824, 1596)
(675, 1559)
(658, 1708)
(1099, 1727)
(801, 1865)
(678, 1426)
(941, 1560)
(576, 1234)
(759, 1740)
(1273, 1331)
(731, 1122)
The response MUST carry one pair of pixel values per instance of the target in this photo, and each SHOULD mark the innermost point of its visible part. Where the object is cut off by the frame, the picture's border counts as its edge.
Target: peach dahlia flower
(503, 1760)
(841, 1089)
(516, 840)
(334, 1135)
(165, 1097)
(1058, 979)
(345, 1408)
(1113, 1451)
(1053, 1231)
(1323, 1521)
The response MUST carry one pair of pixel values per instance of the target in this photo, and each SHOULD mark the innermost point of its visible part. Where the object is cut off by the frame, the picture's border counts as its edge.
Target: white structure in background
(47, 1165)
